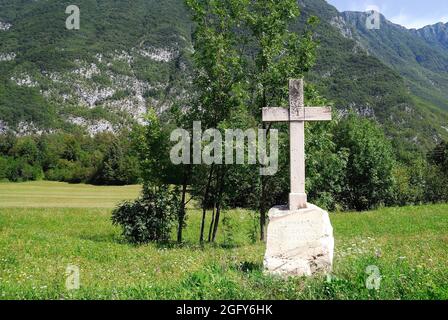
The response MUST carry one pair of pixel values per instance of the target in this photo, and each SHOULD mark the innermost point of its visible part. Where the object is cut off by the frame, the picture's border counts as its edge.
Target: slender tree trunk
(211, 224)
(262, 209)
(215, 226)
(201, 236)
(218, 204)
(182, 213)
(204, 205)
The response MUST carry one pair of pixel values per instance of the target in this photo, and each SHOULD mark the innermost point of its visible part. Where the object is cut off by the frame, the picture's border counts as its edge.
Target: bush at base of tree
(149, 218)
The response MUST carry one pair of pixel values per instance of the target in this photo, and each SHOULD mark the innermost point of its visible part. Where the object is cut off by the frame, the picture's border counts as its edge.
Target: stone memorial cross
(296, 116)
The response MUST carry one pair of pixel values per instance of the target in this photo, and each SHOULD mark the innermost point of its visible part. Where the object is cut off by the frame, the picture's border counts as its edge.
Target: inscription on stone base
(299, 242)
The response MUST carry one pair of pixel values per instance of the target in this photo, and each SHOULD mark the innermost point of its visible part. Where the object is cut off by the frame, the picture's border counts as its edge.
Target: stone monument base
(299, 242)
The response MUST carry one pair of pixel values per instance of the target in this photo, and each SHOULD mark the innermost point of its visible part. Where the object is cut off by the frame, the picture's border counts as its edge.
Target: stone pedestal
(299, 242)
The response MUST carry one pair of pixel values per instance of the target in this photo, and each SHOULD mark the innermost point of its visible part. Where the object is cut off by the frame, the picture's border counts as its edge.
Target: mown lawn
(408, 245)
(47, 194)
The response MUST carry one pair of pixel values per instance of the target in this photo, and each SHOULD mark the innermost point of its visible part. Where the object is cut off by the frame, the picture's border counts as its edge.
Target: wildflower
(378, 253)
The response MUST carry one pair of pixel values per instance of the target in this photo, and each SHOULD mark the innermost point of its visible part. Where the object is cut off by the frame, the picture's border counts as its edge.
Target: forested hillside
(416, 54)
(128, 56)
(356, 77)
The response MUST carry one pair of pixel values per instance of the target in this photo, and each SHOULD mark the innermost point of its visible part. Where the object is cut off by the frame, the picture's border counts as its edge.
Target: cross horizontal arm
(275, 115)
(309, 114)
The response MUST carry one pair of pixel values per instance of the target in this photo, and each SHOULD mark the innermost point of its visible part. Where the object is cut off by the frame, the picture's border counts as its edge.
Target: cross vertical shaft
(297, 197)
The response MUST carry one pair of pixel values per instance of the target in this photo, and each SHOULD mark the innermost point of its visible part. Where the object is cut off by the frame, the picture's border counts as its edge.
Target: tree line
(104, 159)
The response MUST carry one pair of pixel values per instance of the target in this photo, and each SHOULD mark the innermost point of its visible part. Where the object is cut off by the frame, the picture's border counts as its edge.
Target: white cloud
(415, 23)
(408, 13)
(444, 19)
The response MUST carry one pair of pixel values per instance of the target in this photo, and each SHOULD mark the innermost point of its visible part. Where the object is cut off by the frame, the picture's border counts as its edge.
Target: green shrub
(229, 231)
(69, 171)
(26, 149)
(410, 182)
(149, 218)
(369, 179)
(31, 173)
(117, 168)
(19, 170)
(439, 156)
(436, 185)
(3, 168)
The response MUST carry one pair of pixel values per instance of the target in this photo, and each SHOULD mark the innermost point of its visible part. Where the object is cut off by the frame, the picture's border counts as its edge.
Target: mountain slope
(412, 53)
(129, 55)
(356, 78)
(436, 34)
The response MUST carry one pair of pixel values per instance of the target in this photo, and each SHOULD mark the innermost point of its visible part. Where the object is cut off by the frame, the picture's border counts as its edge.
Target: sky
(408, 13)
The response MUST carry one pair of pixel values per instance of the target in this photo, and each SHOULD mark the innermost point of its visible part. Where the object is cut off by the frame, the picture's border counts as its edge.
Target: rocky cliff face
(435, 34)
(420, 56)
(126, 57)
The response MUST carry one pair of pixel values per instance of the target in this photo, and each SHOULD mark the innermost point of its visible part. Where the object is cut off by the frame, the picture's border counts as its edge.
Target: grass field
(63, 195)
(44, 227)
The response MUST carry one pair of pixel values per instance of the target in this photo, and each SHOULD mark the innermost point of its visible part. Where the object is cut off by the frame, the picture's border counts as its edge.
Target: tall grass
(408, 245)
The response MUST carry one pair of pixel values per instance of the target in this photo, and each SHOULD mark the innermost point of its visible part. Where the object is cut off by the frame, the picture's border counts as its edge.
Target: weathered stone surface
(299, 242)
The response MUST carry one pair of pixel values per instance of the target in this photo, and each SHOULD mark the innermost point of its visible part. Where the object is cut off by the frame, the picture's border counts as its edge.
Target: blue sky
(408, 13)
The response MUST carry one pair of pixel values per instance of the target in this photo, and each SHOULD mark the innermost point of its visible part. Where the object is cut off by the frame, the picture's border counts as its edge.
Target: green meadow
(45, 194)
(44, 227)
